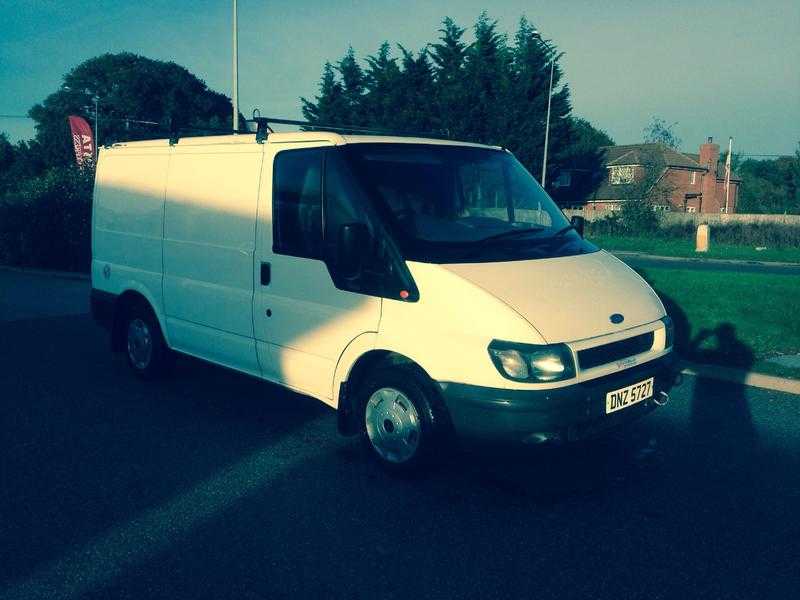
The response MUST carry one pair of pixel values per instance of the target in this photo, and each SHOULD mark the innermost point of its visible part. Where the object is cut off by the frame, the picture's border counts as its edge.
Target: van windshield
(462, 204)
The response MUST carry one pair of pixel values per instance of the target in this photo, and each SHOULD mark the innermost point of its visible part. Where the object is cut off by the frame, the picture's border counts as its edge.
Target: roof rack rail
(262, 127)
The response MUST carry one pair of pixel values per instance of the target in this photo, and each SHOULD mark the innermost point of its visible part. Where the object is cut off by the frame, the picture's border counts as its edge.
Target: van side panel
(127, 221)
(209, 241)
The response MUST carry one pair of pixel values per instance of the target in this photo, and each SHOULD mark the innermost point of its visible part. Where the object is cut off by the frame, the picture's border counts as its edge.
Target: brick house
(683, 182)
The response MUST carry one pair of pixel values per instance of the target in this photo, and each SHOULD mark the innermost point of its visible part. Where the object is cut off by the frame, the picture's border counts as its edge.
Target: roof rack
(261, 127)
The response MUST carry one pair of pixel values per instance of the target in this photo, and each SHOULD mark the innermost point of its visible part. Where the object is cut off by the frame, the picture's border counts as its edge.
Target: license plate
(628, 396)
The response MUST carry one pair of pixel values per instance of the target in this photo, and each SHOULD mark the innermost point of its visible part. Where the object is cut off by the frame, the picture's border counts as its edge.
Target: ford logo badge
(616, 318)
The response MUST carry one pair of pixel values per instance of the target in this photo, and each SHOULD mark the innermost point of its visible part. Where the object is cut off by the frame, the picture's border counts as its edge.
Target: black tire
(432, 434)
(139, 321)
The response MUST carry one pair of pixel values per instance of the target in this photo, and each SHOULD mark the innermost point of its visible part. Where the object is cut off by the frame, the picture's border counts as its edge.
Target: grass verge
(685, 249)
(732, 319)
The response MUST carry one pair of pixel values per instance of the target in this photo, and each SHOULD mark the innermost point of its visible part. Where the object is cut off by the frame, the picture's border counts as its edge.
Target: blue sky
(718, 68)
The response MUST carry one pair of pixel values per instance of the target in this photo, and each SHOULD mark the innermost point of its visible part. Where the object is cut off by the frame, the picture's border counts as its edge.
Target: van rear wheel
(145, 348)
(402, 419)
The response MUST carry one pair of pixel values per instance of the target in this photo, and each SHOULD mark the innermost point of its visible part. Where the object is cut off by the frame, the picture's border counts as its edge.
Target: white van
(418, 286)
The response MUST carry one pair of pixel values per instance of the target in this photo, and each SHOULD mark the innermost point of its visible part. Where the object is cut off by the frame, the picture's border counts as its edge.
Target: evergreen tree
(381, 82)
(352, 87)
(330, 106)
(415, 85)
(485, 84)
(488, 91)
(448, 56)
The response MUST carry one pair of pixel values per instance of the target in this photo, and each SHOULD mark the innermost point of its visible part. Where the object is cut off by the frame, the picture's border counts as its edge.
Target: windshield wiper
(563, 230)
(510, 234)
(503, 236)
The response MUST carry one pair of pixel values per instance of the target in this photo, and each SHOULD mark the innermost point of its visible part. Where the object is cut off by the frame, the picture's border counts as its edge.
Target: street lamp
(235, 91)
(538, 35)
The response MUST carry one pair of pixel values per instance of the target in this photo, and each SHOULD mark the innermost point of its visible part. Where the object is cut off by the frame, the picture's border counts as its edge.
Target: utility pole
(547, 124)
(537, 34)
(96, 147)
(235, 92)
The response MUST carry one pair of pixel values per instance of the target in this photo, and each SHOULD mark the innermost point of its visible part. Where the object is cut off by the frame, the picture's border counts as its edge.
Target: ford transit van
(420, 287)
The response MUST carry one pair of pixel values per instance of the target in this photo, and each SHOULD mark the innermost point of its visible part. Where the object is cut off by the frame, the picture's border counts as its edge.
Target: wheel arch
(125, 301)
(349, 377)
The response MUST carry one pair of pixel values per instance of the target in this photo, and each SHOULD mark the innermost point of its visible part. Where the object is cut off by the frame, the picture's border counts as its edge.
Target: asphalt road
(708, 264)
(215, 485)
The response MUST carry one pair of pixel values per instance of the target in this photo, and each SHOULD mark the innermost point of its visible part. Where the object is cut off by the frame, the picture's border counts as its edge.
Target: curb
(749, 378)
(60, 274)
(699, 259)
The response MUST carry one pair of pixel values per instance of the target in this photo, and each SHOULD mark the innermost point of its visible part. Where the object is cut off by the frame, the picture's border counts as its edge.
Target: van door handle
(266, 273)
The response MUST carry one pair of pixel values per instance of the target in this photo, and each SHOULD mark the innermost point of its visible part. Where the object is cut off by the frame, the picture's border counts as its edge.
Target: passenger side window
(297, 203)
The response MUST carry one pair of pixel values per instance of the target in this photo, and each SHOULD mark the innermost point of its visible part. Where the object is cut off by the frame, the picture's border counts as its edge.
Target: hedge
(46, 222)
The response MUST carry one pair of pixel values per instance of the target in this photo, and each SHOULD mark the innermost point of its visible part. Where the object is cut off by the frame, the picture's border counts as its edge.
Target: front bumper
(562, 414)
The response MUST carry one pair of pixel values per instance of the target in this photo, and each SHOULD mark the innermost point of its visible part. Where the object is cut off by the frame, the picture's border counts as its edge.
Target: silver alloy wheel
(393, 425)
(140, 343)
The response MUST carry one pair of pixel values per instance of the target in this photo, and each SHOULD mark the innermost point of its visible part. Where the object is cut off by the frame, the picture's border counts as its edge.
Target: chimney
(709, 157)
(709, 154)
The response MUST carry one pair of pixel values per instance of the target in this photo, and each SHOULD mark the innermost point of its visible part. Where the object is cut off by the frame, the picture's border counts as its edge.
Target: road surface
(215, 485)
(643, 261)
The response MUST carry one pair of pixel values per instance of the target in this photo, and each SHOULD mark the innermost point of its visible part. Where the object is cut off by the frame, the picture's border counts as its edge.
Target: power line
(15, 117)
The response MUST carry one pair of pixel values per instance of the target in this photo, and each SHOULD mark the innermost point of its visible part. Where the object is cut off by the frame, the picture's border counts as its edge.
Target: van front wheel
(145, 349)
(401, 418)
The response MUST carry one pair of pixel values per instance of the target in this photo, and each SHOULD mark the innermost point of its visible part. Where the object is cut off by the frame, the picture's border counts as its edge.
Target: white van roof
(297, 137)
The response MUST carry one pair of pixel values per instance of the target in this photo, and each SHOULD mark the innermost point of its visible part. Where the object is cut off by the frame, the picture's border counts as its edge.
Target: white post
(547, 124)
(728, 174)
(703, 238)
(235, 92)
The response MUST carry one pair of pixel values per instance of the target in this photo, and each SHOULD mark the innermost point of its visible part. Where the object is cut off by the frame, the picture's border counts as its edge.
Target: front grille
(607, 353)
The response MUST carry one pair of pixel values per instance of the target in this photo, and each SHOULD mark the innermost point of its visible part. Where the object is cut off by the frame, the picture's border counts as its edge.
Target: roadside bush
(47, 221)
(770, 235)
(752, 235)
(635, 218)
(639, 216)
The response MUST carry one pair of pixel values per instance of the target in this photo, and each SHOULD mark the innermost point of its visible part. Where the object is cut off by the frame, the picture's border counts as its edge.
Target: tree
(330, 106)
(6, 152)
(382, 83)
(485, 85)
(587, 136)
(7, 156)
(488, 91)
(583, 158)
(352, 86)
(770, 186)
(659, 131)
(128, 87)
(448, 56)
(647, 189)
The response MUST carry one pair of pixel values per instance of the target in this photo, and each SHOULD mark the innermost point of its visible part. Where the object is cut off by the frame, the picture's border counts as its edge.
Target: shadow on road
(87, 446)
(719, 409)
(291, 510)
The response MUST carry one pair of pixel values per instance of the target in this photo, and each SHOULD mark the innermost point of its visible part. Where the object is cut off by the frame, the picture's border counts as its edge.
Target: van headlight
(529, 362)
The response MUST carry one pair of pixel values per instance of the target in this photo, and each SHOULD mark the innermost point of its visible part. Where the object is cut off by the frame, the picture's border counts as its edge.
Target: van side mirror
(351, 245)
(577, 224)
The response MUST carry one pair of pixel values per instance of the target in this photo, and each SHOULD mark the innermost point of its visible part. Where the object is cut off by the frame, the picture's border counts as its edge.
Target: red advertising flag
(82, 140)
